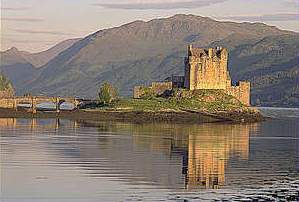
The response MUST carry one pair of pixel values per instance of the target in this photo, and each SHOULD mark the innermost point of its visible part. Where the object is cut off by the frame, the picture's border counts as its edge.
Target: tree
(107, 93)
(4, 83)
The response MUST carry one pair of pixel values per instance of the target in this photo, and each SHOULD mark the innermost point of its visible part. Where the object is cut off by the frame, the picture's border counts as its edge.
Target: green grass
(204, 100)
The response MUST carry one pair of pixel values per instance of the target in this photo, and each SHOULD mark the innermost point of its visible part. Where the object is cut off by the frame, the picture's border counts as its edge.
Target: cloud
(265, 18)
(23, 19)
(27, 41)
(14, 8)
(290, 3)
(156, 4)
(25, 31)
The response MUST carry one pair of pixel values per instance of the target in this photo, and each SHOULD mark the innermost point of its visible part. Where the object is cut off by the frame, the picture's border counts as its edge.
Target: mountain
(15, 66)
(20, 66)
(12, 56)
(272, 67)
(42, 58)
(140, 52)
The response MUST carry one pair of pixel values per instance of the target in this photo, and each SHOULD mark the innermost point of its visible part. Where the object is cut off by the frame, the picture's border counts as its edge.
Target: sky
(36, 25)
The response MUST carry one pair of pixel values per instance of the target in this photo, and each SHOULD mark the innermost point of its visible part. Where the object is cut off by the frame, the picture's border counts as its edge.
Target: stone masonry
(204, 69)
(156, 89)
(207, 69)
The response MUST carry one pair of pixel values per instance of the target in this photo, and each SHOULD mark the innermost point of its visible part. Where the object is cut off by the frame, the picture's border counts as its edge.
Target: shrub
(107, 93)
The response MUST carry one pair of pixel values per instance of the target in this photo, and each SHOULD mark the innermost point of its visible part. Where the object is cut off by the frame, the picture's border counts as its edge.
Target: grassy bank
(181, 107)
(212, 101)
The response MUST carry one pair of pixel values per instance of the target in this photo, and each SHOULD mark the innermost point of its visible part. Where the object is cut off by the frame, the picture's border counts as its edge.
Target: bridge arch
(33, 102)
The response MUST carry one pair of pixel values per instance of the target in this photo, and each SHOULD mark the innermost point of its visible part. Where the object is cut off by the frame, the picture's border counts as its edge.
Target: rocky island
(204, 94)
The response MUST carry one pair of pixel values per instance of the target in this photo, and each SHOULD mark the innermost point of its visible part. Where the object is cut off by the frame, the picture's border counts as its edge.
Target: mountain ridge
(140, 52)
(14, 56)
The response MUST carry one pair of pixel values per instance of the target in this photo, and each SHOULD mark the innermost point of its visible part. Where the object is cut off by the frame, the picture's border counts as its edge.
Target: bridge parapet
(33, 101)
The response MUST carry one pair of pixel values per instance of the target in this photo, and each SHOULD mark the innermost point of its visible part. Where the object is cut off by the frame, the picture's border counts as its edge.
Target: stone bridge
(33, 101)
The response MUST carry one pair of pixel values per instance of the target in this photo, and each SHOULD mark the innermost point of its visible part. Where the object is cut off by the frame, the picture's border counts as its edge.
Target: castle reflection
(209, 151)
(206, 149)
(196, 154)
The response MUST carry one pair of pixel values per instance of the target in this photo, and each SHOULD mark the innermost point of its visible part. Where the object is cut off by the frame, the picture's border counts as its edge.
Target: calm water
(61, 160)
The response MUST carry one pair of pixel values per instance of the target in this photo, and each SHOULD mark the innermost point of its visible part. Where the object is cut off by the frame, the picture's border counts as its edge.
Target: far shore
(140, 116)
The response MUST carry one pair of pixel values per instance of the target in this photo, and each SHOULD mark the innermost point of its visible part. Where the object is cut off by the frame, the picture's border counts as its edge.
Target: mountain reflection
(170, 155)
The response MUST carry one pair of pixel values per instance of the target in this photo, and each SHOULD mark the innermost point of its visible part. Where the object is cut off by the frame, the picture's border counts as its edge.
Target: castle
(204, 69)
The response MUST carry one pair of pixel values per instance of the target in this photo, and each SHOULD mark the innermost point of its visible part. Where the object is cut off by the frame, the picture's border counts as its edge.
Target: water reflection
(193, 155)
(204, 149)
(182, 158)
(35, 123)
(209, 151)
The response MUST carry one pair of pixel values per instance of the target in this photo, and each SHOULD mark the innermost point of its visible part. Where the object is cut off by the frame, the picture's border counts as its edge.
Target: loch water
(52, 160)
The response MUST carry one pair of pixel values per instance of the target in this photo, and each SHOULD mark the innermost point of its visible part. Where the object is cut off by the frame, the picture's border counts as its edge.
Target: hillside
(141, 52)
(21, 67)
(14, 56)
(42, 58)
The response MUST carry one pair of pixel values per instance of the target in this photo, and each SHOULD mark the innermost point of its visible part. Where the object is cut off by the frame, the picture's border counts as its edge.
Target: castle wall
(241, 92)
(156, 89)
(177, 81)
(160, 87)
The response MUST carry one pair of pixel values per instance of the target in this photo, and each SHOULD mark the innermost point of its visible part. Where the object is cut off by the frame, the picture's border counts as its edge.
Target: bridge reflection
(35, 123)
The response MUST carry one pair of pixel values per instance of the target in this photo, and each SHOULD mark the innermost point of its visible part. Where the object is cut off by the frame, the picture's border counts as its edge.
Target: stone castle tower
(208, 69)
(204, 69)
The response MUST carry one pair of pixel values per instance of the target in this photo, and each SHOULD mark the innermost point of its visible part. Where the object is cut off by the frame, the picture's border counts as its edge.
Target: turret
(224, 54)
(189, 49)
(211, 52)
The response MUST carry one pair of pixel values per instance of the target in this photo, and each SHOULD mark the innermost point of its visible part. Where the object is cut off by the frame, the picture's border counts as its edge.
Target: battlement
(200, 53)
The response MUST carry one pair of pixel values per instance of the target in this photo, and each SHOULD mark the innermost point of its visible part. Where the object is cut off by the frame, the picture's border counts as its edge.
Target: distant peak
(183, 16)
(188, 16)
(136, 22)
(14, 49)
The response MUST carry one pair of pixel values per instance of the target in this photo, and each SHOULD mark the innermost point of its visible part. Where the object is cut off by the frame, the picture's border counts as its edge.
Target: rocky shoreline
(141, 116)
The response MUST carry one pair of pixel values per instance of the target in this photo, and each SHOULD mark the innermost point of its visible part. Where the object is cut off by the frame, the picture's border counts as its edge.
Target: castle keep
(204, 69)
(207, 69)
